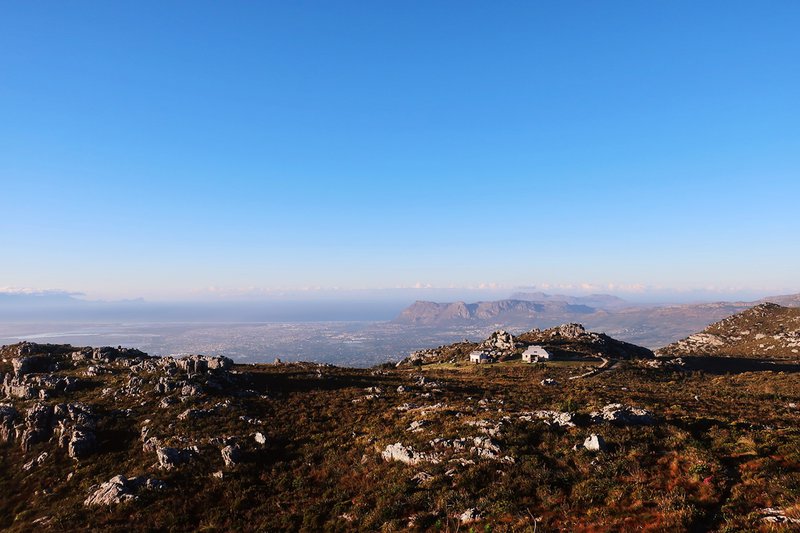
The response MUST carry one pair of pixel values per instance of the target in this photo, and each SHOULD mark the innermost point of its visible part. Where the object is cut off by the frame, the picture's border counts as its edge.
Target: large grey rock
(624, 415)
(82, 444)
(169, 458)
(120, 489)
(33, 363)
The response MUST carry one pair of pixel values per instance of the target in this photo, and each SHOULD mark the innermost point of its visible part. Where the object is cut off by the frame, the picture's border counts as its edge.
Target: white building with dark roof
(479, 356)
(535, 353)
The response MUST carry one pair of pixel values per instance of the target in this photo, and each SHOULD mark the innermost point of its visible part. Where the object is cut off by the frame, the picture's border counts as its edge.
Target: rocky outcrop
(500, 340)
(121, 489)
(573, 340)
(169, 458)
(405, 454)
(551, 418)
(198, 364)
(8, 414)
(623, 415)
(765, 331)
(37, 426)
(33, 363)
(81, 444)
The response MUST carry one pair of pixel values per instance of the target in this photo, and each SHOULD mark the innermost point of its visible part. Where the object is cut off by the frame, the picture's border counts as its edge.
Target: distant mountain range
(597, 301)
(651, 326)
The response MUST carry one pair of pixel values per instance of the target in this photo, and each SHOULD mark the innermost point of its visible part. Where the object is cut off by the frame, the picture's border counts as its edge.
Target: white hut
(535, 353)
(479, 356)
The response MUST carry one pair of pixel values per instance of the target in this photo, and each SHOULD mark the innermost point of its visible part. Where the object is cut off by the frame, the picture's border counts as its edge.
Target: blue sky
(161, 148)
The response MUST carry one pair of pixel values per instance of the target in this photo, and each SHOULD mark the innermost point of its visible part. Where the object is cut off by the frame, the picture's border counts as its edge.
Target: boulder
(595, 443)
(623, 415)
(82, 444)
(33, 363)
(120, 489)
(231, 455)
(169, 458)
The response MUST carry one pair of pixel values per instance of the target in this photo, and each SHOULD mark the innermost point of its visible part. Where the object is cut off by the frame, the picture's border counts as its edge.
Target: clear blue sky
(158, 148)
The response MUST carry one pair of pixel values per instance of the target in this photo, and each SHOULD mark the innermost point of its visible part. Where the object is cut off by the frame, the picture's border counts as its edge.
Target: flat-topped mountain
(433, 313)
(597, 301)
(766, 330)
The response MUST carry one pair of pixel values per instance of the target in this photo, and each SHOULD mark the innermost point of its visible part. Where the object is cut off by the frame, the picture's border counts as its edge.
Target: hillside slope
(109, 439)
(766, 330)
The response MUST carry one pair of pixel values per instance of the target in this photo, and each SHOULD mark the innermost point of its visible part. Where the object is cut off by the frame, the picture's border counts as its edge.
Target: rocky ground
(568, 341)
(765, 331)
(113, 439)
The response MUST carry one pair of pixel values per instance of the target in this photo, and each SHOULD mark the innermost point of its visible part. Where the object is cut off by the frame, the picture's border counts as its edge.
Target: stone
(416, 426)
(260, 438)
(595, 443)
(31, 364)
(82, 444)
(169, 458)
(231, 455)
(191, 389)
